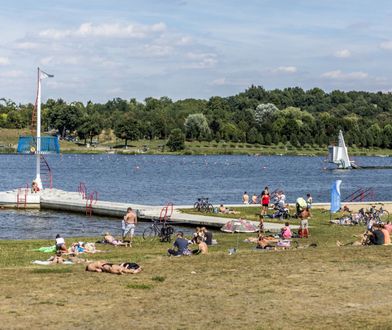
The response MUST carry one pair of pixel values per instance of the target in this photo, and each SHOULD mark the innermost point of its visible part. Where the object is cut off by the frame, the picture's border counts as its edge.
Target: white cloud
(339, 75)
(4, 61)
(343, 53)
(26, 45)
(157, 50)
(285, 69)
(219, 82)
(185, 40)
(201, 60)
(46, 60)
(386, 45)
(114, 30)
(12, 74)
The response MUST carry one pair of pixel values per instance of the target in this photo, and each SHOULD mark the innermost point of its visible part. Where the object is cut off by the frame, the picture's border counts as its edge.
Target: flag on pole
(43, 75)
(335, 196)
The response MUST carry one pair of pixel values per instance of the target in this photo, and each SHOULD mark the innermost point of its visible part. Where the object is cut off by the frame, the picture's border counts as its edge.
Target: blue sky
(99, 50)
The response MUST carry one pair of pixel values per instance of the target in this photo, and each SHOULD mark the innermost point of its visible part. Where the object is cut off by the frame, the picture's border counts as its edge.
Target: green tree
(176, 140)
(63, 117)
(90, 127)
(387, 136)
(127, 128)
(265, 112)
(196, 126)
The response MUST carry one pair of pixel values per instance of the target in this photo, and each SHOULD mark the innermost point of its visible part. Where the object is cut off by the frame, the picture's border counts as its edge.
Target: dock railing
(82, 189)
(166, 212)
(92, 199)
(21, 196)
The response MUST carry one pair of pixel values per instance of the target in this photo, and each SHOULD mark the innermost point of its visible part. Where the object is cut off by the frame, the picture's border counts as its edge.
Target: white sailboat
(338, 154)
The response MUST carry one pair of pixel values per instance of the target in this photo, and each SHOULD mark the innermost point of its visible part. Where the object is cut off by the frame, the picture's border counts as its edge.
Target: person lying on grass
(56, 259)
(180, 246)
(225, 210)
(106, 267)
(266, 242)
(109, 239)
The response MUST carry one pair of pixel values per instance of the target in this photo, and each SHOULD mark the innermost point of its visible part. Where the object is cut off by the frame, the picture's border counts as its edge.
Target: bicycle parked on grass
(202, 205)
(380, 214)
(367, 217)
(158, 229)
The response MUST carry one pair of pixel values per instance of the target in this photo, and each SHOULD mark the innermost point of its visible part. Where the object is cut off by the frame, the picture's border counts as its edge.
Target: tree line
(289, 116)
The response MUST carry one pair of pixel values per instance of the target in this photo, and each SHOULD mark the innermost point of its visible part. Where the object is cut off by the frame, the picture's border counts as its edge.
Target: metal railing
(166, 212)
(360, 195)
(92, 199)
(21, 196)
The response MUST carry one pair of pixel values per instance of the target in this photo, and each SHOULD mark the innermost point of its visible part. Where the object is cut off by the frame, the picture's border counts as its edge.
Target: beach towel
(46, 249)
(47, 262)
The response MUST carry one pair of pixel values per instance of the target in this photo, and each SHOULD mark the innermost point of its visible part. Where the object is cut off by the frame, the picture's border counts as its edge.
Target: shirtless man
(129, 223)
(202, 247)
(245, 198)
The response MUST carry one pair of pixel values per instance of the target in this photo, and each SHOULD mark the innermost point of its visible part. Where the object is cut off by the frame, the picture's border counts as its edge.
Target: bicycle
(381, 215)
(202, 205)
(158, 229)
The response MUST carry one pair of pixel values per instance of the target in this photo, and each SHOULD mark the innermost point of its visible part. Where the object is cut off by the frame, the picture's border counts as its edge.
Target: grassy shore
(108, 143)
(322, 287)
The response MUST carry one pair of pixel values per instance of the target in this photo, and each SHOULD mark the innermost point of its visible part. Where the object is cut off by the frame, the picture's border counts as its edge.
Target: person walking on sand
(129, 223)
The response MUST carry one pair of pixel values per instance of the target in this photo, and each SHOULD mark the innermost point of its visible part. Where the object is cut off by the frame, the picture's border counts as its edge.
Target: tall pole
(38, 150)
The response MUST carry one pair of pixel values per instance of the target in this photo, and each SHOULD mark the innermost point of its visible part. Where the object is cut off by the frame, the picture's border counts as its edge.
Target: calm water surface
(149, 179)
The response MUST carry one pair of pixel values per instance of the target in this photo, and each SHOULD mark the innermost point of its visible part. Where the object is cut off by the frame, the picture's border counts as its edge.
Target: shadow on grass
(139, 286)
(51, 270)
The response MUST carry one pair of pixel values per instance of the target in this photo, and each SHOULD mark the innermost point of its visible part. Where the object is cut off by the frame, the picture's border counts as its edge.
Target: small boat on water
(338, 154)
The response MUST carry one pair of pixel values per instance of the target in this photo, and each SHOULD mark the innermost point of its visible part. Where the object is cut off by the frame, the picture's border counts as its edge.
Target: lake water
(155, 180)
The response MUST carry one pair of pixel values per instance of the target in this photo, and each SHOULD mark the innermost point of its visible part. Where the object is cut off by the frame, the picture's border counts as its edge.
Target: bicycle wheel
(196, 206)
(149, 233)
(209, 208)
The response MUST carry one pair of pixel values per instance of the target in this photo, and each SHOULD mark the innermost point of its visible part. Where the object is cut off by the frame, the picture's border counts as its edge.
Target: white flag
(43, 75)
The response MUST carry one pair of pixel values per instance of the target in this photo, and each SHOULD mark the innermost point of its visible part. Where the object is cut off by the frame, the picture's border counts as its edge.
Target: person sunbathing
(225, 210)
(95, 266)
(130, 268)
(266, 242)
(107, 267)
(56, 259)
(109, 239)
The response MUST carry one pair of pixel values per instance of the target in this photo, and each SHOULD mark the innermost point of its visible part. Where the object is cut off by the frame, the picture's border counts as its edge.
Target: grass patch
(56, 270)
(326, 282)
(158, 278)
(139, 286)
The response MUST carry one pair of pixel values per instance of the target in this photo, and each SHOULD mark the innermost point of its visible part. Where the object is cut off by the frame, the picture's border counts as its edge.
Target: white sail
(338, 154)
